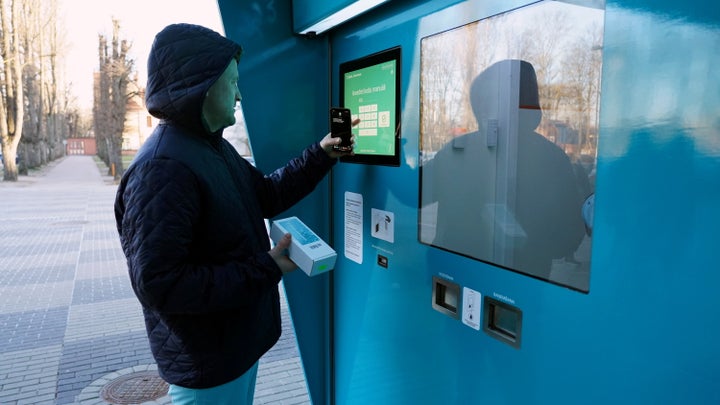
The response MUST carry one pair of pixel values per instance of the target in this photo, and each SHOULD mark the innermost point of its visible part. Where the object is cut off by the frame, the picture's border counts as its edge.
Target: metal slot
(445, 297)
(502, 321)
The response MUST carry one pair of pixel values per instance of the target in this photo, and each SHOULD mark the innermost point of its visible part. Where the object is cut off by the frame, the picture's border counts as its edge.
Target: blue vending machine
(531, 212)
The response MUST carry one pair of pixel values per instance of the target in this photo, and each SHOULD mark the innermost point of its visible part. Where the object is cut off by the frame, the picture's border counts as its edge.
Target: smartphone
(341, 126)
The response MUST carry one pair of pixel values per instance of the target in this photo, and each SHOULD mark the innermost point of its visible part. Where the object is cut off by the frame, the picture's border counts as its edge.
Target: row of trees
(111, 97)
(37, 110)
(31, 103)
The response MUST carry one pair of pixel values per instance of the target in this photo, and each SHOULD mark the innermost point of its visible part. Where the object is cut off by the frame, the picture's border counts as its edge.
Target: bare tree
(12, 107)
(33, 147)
(55, 117)
(111, 98)
(32, 121)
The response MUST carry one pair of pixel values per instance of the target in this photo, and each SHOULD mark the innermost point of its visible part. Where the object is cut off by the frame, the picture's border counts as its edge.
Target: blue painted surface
(648, 330)
(308, 12)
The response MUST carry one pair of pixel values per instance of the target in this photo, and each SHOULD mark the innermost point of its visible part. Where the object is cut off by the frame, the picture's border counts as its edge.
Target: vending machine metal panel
(626, 312)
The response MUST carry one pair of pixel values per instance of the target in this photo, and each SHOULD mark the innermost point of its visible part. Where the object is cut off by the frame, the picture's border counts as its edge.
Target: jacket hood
(184, 61)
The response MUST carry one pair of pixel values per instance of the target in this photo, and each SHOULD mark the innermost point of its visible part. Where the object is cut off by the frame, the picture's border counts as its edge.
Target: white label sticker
(471, 308)
(382, 225)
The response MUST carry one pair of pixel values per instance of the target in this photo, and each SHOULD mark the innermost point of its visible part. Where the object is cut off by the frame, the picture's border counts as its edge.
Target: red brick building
(81, 146)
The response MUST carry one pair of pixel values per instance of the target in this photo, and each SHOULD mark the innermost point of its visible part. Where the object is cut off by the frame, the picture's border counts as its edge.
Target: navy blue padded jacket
(190, 214)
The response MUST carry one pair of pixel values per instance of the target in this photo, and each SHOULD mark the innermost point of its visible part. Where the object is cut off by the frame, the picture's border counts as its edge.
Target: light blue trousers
(239, 391)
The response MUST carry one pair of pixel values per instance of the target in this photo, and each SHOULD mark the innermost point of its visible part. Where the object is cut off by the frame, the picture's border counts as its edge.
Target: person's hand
(279, 254)
(328, 142)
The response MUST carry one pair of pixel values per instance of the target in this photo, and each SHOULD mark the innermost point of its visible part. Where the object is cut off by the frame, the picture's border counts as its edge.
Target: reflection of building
(139, 124)
(562, 134)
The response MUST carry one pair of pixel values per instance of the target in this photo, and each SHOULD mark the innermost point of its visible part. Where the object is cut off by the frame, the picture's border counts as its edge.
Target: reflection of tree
(540, 44)
(563, 47)
(456, 59)
(444, 91)
(582, 75)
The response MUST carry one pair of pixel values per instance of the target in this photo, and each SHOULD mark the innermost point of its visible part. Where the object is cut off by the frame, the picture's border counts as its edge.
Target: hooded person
(190, 215)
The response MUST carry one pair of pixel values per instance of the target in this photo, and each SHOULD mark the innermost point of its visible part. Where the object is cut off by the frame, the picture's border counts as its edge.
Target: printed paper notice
(353, 226)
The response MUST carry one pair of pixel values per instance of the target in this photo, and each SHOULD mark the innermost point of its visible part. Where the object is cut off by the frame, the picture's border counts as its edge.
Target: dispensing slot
(502, 321)
(445, 297)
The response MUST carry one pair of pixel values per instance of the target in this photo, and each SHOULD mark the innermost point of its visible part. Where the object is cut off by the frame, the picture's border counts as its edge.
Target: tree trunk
(12, 107)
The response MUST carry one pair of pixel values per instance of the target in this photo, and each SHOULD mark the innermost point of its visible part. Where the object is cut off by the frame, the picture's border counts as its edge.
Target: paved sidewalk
(69, 322)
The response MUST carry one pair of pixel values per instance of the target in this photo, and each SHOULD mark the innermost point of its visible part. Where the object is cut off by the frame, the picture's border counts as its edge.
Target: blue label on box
(300, 233)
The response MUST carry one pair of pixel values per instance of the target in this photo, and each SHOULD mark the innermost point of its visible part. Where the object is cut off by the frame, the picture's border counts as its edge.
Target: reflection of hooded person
(514, 203)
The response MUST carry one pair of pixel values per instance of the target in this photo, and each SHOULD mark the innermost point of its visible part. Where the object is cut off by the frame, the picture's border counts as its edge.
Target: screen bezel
(391, 54)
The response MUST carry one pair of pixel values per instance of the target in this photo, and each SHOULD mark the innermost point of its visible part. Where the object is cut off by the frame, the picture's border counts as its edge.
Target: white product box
(307, 250)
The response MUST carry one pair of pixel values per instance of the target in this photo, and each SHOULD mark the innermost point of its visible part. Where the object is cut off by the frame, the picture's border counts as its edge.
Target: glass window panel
(509, 123)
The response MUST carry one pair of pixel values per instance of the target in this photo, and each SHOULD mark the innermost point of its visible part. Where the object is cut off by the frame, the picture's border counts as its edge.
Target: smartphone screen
(341, 126)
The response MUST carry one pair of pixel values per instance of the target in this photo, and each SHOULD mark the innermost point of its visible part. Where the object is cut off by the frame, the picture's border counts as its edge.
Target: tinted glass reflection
(509, 109)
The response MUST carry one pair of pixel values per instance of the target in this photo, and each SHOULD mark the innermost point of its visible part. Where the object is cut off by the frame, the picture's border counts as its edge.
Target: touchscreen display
(369, 88)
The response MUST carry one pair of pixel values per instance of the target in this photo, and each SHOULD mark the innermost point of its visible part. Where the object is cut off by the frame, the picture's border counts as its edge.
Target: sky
(139, 21)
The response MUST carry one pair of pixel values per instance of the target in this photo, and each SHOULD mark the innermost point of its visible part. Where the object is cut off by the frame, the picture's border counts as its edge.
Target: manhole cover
(134, 388)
